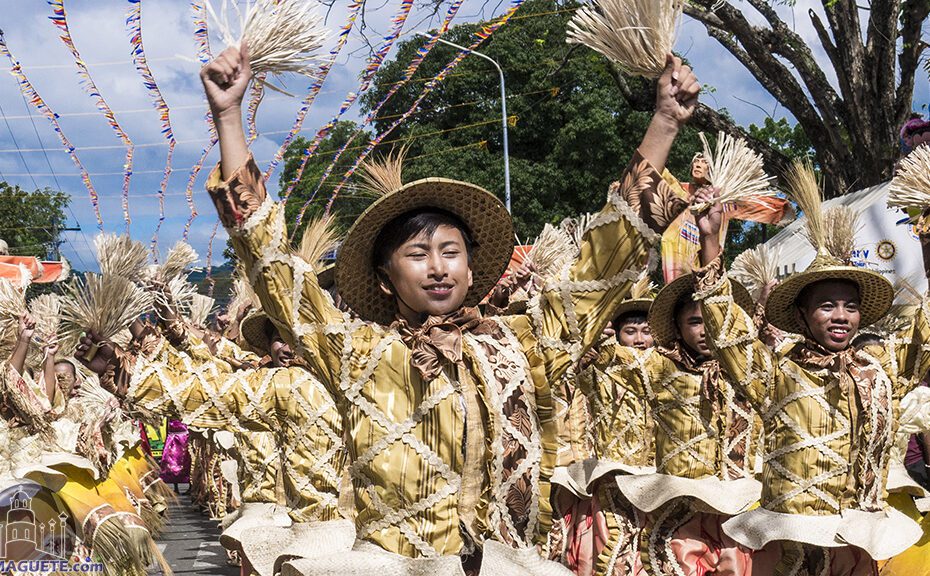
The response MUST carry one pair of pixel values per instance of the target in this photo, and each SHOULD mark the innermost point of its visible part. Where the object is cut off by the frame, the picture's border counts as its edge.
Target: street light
(503, 111)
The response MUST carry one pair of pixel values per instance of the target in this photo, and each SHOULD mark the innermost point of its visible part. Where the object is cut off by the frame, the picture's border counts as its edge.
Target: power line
(16, 144)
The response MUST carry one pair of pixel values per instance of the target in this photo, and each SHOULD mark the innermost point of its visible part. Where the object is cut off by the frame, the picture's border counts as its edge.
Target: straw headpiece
(482, 213)
(756, 268)
(910, 187)
(832, 236)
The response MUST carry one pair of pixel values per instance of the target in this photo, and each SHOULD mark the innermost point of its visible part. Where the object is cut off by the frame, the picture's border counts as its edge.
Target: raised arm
(911, 347)
(573, 311)
(286, 286)
(730, 331)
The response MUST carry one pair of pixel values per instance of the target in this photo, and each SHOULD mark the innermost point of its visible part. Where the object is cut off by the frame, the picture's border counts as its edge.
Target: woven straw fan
(636, 34)
(553, 249)
(737, 171)
(910, 187)
(283, 35)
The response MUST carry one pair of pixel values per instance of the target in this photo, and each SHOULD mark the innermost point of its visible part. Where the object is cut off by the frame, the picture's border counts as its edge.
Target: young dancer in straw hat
(448, 413)
(829, 410)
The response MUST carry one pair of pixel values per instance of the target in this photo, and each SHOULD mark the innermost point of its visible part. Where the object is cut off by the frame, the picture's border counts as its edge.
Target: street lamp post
(503, 112)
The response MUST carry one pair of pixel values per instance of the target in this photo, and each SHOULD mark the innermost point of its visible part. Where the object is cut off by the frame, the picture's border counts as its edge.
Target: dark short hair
(631, 317)
(411, 224)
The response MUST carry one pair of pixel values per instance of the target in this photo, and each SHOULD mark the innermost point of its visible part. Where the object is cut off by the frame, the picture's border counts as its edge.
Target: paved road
(190, 542)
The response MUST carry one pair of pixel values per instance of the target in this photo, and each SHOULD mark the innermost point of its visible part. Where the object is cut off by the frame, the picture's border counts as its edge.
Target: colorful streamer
(354, 10)
(204, 54)
(374, 64)
(408, 74)
(134, 27)
(480, 37)
(25, 86)
(201, 32)
(256, 93)
(60, 19)
(209, 278)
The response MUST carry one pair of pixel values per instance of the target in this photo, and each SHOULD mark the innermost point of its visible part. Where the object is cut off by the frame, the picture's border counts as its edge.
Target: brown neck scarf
(440, 337)
(708, 369)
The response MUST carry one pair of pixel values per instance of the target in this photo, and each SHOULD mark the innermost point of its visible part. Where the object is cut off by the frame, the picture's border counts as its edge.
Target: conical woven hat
(485, 216)
(662, 313)
(876, 294)
(253, 332)
(832, 234)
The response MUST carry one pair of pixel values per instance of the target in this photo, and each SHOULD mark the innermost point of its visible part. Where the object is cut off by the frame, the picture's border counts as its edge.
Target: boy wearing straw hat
(829, 409)
(450, 414)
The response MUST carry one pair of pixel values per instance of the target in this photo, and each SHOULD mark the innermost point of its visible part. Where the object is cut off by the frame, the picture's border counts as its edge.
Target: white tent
(882, 244)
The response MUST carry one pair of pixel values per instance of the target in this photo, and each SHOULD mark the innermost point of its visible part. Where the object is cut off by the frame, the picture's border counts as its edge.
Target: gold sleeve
(748, 363)
(206, 393)
(911, 350)
(285, 284)
(572, 310)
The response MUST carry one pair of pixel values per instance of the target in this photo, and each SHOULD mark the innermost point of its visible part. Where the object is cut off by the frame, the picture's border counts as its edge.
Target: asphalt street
(190, 542)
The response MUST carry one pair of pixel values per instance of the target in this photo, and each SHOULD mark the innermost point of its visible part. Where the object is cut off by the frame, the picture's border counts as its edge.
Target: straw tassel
(736, 171)
(636, 34)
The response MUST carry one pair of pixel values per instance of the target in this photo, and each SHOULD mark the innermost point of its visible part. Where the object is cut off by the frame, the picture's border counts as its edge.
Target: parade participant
(829, 410)
(418, 258)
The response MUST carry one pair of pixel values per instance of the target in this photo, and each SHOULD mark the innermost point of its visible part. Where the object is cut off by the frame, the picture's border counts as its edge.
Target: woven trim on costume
(511, 395)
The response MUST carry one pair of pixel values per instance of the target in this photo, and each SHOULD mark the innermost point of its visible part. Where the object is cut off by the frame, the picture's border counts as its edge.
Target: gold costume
(829, 423)
(423, 487)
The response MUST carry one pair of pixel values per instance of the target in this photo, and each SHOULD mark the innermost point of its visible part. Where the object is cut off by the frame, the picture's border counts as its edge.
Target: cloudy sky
(31, 155)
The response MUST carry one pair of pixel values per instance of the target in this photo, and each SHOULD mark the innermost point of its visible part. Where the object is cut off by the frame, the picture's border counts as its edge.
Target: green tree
(350, 203)
(571, 130)
(30, 222)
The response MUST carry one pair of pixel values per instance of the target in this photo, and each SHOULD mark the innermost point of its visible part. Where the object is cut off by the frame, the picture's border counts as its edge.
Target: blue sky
(99, 32)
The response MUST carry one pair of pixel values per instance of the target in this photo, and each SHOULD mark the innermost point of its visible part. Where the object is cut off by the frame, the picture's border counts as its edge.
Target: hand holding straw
(736, 171)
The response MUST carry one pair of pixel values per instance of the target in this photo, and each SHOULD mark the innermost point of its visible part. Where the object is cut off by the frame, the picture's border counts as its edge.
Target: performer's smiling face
(690, 323)
(425, 264)
(830, 311)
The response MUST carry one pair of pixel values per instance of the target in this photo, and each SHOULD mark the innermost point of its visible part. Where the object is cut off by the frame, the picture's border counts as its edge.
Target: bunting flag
(60, 18)
(209, 277)
(25, 86)
(204, 54)
(354, 10)
(374, 64)
(408, 74)
(256, 93)
(479, 37)
(201, 32)
(134, 27)
(195, 170)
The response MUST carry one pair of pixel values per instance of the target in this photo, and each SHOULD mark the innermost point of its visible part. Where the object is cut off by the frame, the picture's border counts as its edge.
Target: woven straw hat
(484, 215)
(662, 312)
(634, 305)
(326, 277)
(253, 332)
(876, 293)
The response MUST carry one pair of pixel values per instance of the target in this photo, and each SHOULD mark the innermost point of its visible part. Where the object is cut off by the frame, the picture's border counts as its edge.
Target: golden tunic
(420, 488)
(620, 418)
(697, 433)
(287, 403)
(829, 419)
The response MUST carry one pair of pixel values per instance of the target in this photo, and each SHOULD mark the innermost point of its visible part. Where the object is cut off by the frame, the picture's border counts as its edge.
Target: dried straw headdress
(910, 187)
(282, 35)
(736, 170)
(636, 34)
(832, 234)
(642, 294)
(321, 237)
